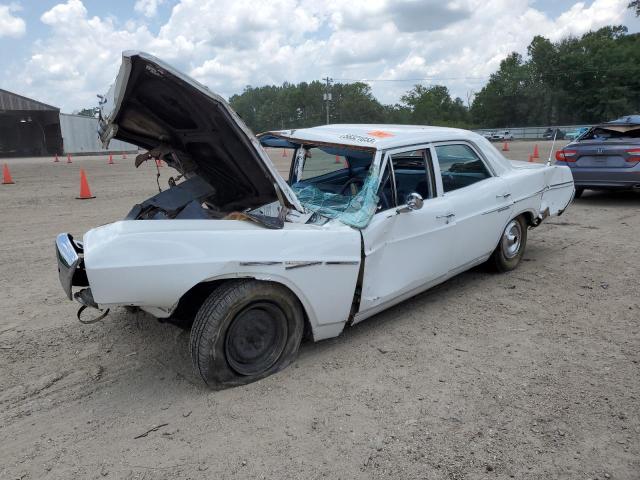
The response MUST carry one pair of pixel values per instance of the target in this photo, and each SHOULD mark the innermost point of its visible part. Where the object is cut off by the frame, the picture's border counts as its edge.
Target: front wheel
(510, 249)
(579, 192)
(245, 331)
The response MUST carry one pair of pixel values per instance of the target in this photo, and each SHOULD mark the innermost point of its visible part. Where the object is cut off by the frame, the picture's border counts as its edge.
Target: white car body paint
(340, 274)
(153, 263)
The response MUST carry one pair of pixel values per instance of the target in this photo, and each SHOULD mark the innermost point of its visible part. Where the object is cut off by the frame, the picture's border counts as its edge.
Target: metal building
(29, 128)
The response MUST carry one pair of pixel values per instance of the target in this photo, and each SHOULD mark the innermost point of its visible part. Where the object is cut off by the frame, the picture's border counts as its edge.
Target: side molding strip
(289, 265)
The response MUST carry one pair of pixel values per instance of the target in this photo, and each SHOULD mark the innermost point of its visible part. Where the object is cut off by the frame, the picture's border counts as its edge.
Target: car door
(405, 250)
(479, 199)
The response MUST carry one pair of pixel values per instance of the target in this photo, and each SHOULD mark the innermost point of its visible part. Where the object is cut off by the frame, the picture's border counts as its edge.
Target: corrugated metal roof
(13, 101)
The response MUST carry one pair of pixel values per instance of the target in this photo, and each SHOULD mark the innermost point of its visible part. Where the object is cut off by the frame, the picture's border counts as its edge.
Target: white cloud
(228, 44)
(148, 8)
(10, 25)
(80, 57)
(580, 18)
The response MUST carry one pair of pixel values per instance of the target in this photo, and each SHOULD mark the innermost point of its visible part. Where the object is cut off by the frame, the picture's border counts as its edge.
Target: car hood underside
(155, 107)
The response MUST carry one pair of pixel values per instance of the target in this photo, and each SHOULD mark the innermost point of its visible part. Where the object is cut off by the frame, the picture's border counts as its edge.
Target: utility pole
(470, 95)
(327, 95)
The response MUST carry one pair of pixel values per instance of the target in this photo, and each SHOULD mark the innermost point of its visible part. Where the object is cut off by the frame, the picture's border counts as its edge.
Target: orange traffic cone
(531, 158)
(505, 147)
(110, 162)
(337, 159)
(284, 152)
(535, 152)
(69, 158)
(6, 176)
(158, 162)
(85, 193)
(56, 159)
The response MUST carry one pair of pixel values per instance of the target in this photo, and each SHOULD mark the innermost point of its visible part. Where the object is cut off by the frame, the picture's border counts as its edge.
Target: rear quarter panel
(539, 189)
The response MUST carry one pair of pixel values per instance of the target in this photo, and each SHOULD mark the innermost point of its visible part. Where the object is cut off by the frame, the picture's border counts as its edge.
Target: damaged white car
(370, 215)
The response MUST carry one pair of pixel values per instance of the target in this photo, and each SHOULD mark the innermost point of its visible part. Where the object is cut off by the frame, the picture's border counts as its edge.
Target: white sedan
(370, 215)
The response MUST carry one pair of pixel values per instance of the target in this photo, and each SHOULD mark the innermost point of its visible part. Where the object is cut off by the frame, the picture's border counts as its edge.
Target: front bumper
(70, 264)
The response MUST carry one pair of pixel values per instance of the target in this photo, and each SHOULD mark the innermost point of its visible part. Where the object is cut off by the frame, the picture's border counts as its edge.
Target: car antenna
(555, 133)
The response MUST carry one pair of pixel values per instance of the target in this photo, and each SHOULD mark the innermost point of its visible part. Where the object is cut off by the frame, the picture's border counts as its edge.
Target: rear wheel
(510, 249)
(579, 192)
(245, 331)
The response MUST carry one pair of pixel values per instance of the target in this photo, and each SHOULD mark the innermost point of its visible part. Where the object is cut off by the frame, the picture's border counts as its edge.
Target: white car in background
(370, 215)
(501, 136)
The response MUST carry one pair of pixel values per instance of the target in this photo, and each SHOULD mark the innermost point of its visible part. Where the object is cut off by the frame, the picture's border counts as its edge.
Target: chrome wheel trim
(511, 239)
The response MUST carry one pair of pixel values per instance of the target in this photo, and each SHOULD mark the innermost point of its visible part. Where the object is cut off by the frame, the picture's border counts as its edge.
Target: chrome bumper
(70, 269)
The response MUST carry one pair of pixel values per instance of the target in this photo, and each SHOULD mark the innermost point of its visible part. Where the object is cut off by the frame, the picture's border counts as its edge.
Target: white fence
(532, 133)
(80, 135)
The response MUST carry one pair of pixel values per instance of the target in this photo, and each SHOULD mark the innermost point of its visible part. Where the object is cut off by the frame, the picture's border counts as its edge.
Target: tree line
(587, 79)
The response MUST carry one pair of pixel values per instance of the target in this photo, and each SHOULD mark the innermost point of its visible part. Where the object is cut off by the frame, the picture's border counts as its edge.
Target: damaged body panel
(369, 216)
(131, 262)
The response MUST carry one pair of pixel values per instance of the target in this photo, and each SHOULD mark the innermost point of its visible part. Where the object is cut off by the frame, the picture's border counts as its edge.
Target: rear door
(481, 201)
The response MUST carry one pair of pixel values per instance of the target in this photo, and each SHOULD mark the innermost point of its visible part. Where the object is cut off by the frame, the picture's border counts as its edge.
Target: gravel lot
(531, 374)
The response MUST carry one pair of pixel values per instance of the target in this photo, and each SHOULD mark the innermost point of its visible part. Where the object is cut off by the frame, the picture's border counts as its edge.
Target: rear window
(600, 133)
(459, 166)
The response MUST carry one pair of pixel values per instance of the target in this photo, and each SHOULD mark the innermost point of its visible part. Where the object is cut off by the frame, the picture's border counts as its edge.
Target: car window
(460, 166)
(411, 173)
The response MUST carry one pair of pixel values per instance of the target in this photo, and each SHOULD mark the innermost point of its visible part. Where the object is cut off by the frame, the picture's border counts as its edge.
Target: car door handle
(504, 195)
(447, 216)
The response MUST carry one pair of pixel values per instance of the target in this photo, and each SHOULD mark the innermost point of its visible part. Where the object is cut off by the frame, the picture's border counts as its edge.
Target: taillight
(566, 155)
(634, 155)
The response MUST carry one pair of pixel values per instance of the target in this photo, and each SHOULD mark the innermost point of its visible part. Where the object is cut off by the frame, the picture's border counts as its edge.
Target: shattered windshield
(612, 132)
(336, 182)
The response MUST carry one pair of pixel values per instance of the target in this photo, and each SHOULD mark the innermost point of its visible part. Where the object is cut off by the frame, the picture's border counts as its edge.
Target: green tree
(88, 112)
(302, 105)
(500, 102)
(635, 5)
(434, 106)
(577, 80)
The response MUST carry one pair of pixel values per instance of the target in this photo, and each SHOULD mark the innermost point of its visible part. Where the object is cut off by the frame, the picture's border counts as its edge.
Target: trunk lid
(596, 154)
(154, 106)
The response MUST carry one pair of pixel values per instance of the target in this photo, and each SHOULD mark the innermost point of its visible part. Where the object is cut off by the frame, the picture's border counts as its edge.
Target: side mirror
(414, 202)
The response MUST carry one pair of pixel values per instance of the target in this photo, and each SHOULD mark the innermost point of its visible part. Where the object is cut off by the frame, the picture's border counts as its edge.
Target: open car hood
(156, 107)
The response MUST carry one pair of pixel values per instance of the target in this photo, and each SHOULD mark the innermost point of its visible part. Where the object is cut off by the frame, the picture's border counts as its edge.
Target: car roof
(376, 136)
(386, 137)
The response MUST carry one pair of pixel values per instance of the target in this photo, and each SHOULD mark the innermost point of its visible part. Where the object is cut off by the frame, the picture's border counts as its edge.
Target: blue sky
(64, 52)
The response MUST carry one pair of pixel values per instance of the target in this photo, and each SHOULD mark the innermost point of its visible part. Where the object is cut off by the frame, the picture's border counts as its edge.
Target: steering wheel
(348, 183)
(384, 204)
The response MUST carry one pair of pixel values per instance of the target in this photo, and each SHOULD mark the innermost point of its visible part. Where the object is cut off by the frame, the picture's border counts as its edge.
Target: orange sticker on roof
(380, 134)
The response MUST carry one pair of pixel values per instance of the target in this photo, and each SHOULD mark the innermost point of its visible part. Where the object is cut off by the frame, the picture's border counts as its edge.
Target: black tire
(510, 251)
(579, 192)
(244, 331)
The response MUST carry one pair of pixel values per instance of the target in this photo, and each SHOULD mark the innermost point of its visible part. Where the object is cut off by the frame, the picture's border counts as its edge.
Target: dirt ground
(533, 374)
